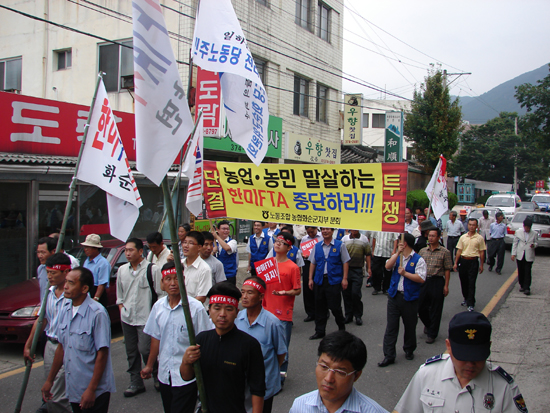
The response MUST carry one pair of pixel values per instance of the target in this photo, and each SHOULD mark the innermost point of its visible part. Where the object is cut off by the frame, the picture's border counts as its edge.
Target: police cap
(470, 336)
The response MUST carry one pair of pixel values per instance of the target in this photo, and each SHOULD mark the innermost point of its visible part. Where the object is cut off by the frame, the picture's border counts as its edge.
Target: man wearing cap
(463, 380)
(258, 246)
(470, 253)
(436, 287)
(496, 246)
(309, 297)
(268, 330)
(403, 294)
(454, 230)
(463, 219)
(99, 266)
(231, 360)
(523, 252)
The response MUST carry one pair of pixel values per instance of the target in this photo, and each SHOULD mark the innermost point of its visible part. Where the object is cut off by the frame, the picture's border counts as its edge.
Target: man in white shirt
(198, 276)
(410, 223)
(159, 252)
(454, 230)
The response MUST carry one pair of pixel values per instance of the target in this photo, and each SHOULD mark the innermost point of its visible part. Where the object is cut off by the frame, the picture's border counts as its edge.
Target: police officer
(463, 380)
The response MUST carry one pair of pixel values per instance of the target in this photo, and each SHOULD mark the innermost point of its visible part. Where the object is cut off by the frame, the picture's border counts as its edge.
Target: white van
(509, 203)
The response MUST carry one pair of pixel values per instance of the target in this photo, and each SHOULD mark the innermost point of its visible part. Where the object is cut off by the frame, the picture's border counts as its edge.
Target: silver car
(541, 224)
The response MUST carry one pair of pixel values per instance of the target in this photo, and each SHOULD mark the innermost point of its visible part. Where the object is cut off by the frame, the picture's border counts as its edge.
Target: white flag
(193, 169)
(104, 164)
(437, 189)
(219, 46)
(163, 119)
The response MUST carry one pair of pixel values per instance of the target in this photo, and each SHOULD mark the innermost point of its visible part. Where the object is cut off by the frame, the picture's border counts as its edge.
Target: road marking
(496, 298)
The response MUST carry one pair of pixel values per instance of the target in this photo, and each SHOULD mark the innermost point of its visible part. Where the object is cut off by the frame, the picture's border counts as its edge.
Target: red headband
(224, 299)
(169, 271)
(286, 241)
(256, 285)
(59, 267)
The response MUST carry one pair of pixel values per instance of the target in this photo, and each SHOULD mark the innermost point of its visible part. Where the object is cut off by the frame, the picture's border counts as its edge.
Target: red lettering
(281, 201)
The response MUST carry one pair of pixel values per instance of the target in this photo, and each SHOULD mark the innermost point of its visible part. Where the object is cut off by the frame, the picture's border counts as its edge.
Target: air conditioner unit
(127, 82)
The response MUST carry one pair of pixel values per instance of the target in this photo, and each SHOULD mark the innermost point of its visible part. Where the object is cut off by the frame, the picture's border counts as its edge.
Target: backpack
(154, 296)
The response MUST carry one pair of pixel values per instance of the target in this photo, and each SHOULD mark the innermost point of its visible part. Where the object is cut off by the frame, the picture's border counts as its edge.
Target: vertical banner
(437, 189)
(353, 120)
(208, 98)
(163, 119)
(393, 147)
(193, 169)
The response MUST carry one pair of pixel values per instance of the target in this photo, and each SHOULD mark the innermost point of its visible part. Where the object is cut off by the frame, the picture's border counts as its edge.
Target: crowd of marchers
(244, 355)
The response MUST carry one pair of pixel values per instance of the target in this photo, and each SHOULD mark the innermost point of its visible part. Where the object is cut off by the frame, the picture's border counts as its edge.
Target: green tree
(434, 123)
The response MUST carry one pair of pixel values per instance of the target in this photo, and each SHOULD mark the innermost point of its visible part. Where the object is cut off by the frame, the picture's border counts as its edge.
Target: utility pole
(516, 157)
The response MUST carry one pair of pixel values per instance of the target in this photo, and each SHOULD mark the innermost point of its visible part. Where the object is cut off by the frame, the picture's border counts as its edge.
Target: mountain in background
(478, 110)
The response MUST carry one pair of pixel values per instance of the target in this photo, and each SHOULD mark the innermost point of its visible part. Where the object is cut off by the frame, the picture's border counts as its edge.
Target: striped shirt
(384, 243)
(437, 261)
(355, 403)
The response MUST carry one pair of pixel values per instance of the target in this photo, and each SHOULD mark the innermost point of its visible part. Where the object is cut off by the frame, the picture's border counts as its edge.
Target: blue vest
(258, 253)
(229, 261)
(334, 263)
(411, 288)
(340, 234)
(291, 254)
(274, 236)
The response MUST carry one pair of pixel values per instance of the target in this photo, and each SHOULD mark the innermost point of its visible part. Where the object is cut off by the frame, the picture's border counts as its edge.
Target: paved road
(383, 385)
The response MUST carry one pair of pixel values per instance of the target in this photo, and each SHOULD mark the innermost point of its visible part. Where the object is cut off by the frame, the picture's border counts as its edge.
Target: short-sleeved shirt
(299, 259)
(42, 277)
(307, 238)
(229, 364)
(258, 240)
(454, 229)
(282, 306)
(485, 226)
(53, 311)
(100, 268)
(168, 325)
(344, 255)
(437, 261)
(435, 387)
(82, 336)
(358, 249)
(497, 231)
(198, 277)
(383, 246)
(269, 332)
(471, 246)
(216, 266)
(411, 227)
(355, 403)
(161, 259)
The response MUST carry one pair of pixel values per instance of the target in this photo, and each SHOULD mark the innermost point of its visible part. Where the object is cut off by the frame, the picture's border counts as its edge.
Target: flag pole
(183, 292)
(40, 320)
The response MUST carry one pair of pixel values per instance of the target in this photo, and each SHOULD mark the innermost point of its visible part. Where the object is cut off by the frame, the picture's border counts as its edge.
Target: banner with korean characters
(369, 197)
(393, 147)
(353, 120)
(309, 149)
(268, 270)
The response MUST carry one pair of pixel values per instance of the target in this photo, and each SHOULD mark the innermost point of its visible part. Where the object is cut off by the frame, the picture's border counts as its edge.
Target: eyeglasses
(339, 373)
(189, 243)
(280, 242)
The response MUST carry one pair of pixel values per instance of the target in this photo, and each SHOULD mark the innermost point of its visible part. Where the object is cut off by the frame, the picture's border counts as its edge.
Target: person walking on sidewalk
(469, 261)
(496, 244)
(454, 230)
(523, 252)
(436, 287)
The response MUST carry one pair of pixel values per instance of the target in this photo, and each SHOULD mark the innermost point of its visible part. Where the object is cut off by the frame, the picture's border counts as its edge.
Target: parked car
(509, 203)
(543, 201)
(541, 224)
(529, 206)
(477, 213)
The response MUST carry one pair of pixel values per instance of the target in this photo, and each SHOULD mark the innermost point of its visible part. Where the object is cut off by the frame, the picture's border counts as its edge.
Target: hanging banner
(353, 120)
(370, 197)
(393, 148)
(208, 98)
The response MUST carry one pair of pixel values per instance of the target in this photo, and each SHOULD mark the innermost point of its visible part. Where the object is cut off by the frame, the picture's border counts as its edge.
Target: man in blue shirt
(268, 330)
(99, 266)
(84, 334)
(496, 244)
(342, 357)
(227, 250)
(45, 248)
(259, 244)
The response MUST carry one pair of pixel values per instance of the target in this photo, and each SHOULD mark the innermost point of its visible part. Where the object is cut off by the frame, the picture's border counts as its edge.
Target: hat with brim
(427, 226)
(92, 240)
(463, 212)
(470, 336)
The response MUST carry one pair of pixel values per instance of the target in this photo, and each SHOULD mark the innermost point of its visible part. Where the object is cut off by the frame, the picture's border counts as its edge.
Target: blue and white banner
(163, 119)
(219, 45)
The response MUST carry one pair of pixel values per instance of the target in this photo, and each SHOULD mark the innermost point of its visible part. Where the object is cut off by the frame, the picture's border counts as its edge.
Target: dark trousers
(467, 272)
(524, 273)
(328, 297)
(232, 280)
(407, 311)
(309, 296)
(178, 399)
(138, 345)
(430, 304)
(496, 247)
(352, 295)
(451, 246)
(101, 405)
(268, 405)
(380, 276)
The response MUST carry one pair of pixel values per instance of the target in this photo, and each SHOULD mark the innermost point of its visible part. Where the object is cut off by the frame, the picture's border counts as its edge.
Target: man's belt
(453, 236)
(434, 276)
(469, 258)
(496, 239)
(52, 340)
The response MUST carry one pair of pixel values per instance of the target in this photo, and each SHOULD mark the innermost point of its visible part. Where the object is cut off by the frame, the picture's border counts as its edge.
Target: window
(10, 74)
(366, 120)
(324, 22)
(261, 67)
(303, 15)
(264, 2)
(64, 59)
(378, 120)
(117, 62)
(322, 96)
(301, 92)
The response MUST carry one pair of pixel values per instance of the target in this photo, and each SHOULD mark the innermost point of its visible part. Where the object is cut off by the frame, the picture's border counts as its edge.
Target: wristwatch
(96, 298)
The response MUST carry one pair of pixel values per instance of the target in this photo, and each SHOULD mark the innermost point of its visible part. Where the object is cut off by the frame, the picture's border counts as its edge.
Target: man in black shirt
(232, 358)
(422, 240)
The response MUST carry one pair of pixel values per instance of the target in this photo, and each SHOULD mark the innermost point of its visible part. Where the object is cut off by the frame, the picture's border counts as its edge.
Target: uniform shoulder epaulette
(504, 375)
(434, 359)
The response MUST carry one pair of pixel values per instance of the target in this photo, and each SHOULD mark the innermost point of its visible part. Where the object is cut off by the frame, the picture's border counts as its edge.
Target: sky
(495, 40)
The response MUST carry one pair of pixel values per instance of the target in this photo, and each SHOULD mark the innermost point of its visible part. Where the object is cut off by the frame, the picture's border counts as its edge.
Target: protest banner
(268, 270)
(437, 189)
(306, 247)
(370, 197)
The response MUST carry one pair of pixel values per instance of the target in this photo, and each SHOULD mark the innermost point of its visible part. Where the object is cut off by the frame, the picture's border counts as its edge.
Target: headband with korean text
(256, 285)
(224, 299)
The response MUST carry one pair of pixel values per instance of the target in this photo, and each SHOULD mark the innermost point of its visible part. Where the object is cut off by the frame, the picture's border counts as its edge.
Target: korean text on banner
(353, 120)
(104, 164)
(370, 197)
(393, 147)
(163, 119)
(193, 169)
(268, 270)
(437, 189)
(219, 45)
(306, 247)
